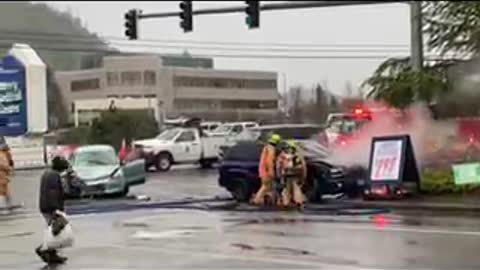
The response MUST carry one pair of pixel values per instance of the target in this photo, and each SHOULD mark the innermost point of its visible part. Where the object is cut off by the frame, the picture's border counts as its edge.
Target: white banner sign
(386, 160)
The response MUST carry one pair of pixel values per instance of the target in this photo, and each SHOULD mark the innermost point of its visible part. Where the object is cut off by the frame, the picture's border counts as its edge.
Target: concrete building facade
(209, 93)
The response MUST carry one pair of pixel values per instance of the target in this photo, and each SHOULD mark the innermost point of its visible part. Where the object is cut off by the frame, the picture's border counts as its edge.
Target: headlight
(335, 170)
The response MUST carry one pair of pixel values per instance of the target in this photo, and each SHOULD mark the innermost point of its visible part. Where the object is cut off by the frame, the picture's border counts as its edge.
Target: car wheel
(314, 192)
(240, 190)
(206, 164)
(124, 192)
(164, 162)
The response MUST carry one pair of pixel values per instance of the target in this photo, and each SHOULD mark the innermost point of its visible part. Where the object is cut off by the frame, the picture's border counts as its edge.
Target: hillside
(25, 22)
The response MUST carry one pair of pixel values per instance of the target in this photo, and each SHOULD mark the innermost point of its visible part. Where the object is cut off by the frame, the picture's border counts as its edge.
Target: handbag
(59, 233)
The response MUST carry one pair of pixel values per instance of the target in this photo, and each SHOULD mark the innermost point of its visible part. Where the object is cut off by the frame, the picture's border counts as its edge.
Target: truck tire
(164, 162)
(206, 164)
(314, 193)
(240, 190)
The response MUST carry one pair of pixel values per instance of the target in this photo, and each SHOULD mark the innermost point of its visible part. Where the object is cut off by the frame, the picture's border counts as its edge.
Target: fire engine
(341, 127)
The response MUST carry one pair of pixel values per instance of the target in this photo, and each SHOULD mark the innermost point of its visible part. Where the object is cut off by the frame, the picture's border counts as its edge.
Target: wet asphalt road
(172, 238)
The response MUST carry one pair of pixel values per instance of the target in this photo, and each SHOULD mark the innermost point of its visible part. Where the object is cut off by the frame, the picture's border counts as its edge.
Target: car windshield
(168, 134)
(347, 125)
(223, 129)
(95, 158)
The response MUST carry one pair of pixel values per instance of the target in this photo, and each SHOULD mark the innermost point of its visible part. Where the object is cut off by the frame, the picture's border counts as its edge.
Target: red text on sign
(385, 166)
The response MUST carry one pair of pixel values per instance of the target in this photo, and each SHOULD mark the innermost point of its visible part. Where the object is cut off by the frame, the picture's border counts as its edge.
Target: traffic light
(253, 14)
(131, 24)
(186, 16)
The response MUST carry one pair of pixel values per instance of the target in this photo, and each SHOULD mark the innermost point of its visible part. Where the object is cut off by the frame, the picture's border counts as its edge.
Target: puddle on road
(412, 242)
(144, 235)
(186, 231)
(290, 251)
(134, 225)
(20, 234)
(243, 246)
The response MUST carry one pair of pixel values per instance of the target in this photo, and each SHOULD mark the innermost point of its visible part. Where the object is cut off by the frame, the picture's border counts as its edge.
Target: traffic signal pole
(416, 35)
(415, 17)
(270, 6)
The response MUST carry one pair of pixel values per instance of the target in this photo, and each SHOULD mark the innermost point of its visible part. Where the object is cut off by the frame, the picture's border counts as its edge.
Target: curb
(414, 205)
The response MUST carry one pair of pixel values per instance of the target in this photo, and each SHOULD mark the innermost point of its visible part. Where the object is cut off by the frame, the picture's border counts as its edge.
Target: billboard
(13, 101)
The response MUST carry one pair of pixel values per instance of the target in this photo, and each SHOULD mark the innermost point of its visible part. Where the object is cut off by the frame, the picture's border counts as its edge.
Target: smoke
(416, 121)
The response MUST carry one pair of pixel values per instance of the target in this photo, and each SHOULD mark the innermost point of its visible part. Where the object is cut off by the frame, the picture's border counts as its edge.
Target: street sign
(467, 173)
(386, 160)
(13, 99)
(392, 160)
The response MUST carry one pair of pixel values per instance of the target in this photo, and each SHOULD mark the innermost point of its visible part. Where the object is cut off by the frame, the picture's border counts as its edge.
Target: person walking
(52, 201)
(267, 169)
(5, 174)
(292, 172)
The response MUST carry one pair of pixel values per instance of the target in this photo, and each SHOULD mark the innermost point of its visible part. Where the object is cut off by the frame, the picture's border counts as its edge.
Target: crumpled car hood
(94, 172)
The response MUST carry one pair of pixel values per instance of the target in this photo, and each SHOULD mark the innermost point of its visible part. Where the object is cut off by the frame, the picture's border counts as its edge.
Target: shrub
(441, 181)
(77, 136)
(111, 128)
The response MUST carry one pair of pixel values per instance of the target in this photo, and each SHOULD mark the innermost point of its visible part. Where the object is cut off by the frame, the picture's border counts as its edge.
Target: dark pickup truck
(239, 167)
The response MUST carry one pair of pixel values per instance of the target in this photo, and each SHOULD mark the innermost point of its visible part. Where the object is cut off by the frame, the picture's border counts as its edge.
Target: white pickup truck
(182, 145)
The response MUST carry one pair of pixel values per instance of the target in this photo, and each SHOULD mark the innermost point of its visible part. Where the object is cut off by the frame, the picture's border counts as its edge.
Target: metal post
(77, 122)
(269, 6)
(416, 35)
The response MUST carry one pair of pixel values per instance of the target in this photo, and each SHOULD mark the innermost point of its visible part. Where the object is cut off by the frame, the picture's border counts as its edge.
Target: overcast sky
(358, 27)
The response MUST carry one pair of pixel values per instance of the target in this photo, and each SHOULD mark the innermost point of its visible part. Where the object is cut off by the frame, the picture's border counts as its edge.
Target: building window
(131, 78)
(149, 77)
(132, 96)
(113, 79)
(150, 96)
(186, 81)
(82, 85)
(215, 104)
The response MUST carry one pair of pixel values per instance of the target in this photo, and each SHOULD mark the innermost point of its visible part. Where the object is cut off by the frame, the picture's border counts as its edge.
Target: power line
(230, 56)
(47, 35)
(189, 47)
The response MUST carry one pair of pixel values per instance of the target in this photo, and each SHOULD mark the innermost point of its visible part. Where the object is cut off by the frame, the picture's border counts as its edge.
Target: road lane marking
(405, 229)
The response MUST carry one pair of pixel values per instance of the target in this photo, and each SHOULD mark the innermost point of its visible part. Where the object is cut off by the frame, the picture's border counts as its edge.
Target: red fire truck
(341, 127)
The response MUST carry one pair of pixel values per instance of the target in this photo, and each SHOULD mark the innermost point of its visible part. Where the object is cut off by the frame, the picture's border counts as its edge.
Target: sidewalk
(466, 203)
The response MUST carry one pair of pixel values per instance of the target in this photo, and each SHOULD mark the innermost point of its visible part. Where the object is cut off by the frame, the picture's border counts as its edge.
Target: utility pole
(416, 35)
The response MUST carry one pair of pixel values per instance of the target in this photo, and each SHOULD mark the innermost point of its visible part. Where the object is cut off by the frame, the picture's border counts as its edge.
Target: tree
(348, 89)
(397, 84)
(334, 105)
(321, 104)
(112, 127)
(26, 22)
(295, 103)
(452, 26)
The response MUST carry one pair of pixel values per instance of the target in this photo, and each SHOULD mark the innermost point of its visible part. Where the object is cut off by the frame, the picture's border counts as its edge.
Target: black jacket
(51, 192)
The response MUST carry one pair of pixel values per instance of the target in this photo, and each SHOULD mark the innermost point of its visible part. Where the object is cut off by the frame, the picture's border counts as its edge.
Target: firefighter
(292, 173)
(267, 170)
